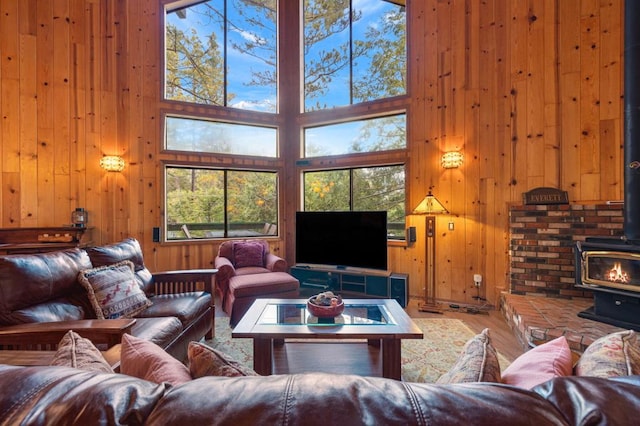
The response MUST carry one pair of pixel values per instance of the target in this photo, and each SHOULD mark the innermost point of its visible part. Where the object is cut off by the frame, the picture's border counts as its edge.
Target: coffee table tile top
(297, 313)
(362, 318)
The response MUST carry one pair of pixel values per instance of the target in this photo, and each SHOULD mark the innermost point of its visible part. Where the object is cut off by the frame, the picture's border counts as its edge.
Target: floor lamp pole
(430, 268)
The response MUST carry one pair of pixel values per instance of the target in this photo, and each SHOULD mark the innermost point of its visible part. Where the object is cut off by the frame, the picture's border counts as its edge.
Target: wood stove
(611, 267)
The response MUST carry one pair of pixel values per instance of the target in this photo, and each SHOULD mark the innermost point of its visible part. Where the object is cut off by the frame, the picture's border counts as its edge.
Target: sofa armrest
(226, 270)
(184, 281)
(275, 263)
(48, 334)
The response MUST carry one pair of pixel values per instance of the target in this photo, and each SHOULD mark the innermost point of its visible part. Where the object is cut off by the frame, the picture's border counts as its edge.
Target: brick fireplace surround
(542, 302)
(542, 241)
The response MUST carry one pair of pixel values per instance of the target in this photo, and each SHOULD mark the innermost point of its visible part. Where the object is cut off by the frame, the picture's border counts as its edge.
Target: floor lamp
(430, 206)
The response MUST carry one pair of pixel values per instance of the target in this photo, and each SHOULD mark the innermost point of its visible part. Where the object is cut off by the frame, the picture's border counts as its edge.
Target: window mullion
(224, 54)
(350, 52)
(225, 197)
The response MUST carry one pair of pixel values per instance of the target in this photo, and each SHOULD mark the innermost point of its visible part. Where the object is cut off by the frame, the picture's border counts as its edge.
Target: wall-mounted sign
(545, 195)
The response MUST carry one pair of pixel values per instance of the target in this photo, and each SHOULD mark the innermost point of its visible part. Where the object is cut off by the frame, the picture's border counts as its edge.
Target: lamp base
(430, 307)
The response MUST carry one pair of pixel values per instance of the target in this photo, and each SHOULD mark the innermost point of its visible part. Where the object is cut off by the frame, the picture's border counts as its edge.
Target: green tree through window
(215, 203)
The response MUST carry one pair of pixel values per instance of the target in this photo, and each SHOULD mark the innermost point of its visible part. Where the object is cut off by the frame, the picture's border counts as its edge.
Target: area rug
(422, 360)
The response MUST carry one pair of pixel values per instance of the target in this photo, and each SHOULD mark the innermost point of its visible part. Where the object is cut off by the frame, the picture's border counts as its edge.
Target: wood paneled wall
(530, 92)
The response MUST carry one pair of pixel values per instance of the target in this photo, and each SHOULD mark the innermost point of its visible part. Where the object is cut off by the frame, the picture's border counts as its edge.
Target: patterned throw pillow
(478, 362)
(248, 253)
(77, 352)
(206, 361)
(114, 291)
(616, 354)
(145, 360)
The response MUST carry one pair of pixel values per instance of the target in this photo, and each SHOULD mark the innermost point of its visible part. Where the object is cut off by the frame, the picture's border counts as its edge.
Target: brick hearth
(535, 318)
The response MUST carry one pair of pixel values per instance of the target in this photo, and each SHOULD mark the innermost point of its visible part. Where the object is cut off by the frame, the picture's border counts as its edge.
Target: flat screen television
(342, 239)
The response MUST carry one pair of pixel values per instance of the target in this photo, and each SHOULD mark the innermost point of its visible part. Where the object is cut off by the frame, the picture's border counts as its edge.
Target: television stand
(351, 282)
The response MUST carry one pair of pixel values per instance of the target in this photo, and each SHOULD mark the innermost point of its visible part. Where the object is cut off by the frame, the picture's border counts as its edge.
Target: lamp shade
(112, 163)
(430, 205)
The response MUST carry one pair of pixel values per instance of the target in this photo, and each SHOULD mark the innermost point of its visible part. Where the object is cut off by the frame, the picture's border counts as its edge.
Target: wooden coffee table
(381, 322)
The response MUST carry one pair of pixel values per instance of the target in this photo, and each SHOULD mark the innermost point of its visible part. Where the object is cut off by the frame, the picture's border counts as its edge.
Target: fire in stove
(609, 268)
(617, 275)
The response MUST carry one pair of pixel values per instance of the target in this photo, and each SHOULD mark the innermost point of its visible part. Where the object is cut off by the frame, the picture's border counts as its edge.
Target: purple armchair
(247, 271)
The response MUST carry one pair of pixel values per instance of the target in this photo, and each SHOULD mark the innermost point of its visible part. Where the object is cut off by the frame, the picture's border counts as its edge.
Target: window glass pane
(251, 61)
(194, 44)
(379, 50)
(202, 43)
(326, 54)
(382, 188)
(195, 202)
(326, 190)
(376, 134)
(187, 134)
(252, 203)
(196, 197)
(353, 53)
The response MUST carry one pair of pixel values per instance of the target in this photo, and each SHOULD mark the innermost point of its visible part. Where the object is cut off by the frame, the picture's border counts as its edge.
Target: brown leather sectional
(43, 288)
(61, 395)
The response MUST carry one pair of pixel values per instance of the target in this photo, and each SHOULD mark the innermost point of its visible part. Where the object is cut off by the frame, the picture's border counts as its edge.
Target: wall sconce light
(112, 163)
(452, 159)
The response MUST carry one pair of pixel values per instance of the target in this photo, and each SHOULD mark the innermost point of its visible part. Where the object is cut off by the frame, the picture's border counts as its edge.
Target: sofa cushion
(160, 330)
(187, 307)
(261, 284)
(248, 253)
(251, 270)
(114, 291)
(146, 360)
(616, 354)
(207, 361)
(478, 362)
(77, 352)
(61, 309)
(542, 363)
(29, 280)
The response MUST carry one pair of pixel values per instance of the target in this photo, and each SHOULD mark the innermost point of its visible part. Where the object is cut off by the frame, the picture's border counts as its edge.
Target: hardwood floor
(502, 336)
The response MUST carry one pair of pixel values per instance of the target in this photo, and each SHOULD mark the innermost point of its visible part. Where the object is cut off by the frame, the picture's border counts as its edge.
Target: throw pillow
(145, 360)
(542, 363)
(77, 352)
(114, 291)
(206, 361)
(615, 354)
(248, 253)
(478, 362)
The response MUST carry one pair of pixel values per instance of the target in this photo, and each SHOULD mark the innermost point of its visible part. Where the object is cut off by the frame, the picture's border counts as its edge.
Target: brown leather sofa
(44, 288)
(62, 395)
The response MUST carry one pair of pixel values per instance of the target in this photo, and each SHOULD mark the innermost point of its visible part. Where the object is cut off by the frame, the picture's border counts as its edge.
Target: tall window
(211, 203)
(222, 52)
(359, 189)
(223, 126)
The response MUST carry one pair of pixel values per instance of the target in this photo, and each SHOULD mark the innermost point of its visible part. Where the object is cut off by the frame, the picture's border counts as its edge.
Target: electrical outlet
(477, 279)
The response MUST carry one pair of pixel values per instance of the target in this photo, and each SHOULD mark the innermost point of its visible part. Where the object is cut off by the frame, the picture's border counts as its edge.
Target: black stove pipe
(632, 121)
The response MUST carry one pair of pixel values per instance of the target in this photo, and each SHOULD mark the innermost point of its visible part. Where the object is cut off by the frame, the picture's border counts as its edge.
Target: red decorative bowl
(321, 311)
